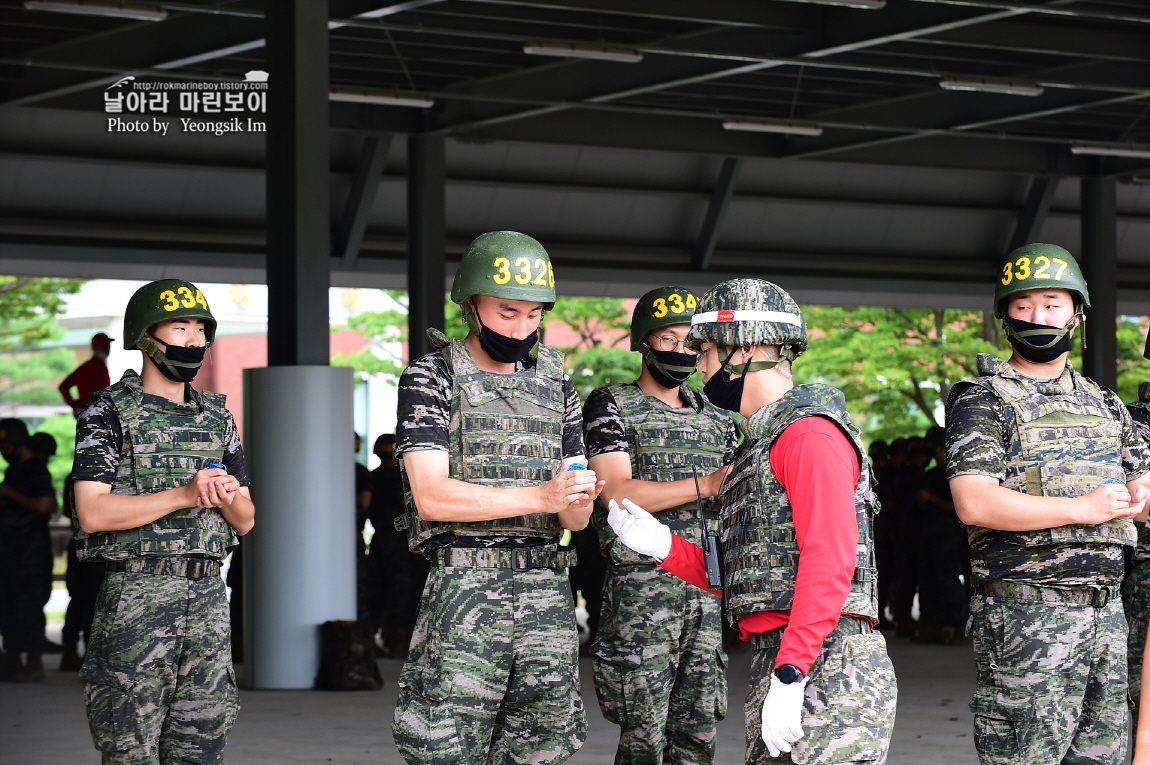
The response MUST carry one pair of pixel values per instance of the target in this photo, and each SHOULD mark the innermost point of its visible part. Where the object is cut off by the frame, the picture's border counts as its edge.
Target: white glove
(639, 530)
(783, 715)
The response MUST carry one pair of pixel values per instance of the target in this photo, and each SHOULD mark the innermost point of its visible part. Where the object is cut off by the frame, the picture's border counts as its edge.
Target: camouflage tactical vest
(760, 551)
(1064, 441)
(506, 430)
(169, 442)
(665, 444)
(1140, 414)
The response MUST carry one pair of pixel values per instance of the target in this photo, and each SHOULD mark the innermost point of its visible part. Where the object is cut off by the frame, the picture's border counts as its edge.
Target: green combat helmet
(164, 300)
(1039, 266)
(662, 307)
(504, 264)
(749, 312)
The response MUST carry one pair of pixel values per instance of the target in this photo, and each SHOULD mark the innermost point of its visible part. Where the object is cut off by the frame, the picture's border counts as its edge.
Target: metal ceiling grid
(903, 168)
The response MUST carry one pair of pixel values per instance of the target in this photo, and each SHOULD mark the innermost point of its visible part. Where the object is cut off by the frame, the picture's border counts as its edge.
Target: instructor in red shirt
(90, 376)
(797, 541)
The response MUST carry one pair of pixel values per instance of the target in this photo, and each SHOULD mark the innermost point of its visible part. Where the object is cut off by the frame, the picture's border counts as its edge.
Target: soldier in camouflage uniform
(486, 428)
(158, 676)
(1136, 585)
(649, 440)
(1046, 472)
(797, 519)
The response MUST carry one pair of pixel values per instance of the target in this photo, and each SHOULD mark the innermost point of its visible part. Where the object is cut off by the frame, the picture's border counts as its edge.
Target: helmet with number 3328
(164, 300)
(505, 264)
(1036, 267)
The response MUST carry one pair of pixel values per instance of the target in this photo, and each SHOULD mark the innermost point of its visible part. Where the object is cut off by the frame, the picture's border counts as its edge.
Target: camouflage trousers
(660, 669)
(1051, 682)
(848, 712)
(1136, 602)
(158, 676)
(25, 586)
(492, 673)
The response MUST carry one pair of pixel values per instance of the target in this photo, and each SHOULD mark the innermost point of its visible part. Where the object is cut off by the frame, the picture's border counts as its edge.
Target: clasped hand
(213, 488)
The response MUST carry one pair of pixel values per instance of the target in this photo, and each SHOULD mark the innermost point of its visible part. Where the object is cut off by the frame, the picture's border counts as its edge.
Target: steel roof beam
(716, 212)
(361, 197)
(1034, 211)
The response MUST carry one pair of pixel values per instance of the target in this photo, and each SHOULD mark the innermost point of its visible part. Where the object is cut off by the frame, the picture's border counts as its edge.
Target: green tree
(29, 307)
(602, 355)
(31, 377)
(1133, 369)
(896, 366)
(382, 328)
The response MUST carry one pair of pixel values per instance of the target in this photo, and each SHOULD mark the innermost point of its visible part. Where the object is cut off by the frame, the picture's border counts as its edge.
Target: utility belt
(514, 558)
(189, 568)
(1083, 596)
(847, 625)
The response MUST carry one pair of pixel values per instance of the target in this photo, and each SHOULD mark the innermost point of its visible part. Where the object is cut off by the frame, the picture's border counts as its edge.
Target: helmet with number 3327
(164, 300)
(1036, 267)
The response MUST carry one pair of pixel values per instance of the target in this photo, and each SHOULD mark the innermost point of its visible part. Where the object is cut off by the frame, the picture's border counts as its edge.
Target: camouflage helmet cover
(505, 264)
(748, 312)
(164, 300)
(662, 307)
(1039, 266)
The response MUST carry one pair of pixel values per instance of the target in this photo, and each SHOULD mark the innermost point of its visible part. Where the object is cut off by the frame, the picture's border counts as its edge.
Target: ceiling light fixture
(1134, 150)
(384, 97)
(788, 127)
(110, 8)
(576, 50)
(869, 5)
(991, 85)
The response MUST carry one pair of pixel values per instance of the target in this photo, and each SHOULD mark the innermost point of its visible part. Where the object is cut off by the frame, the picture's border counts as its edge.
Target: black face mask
(504, 349)
(724, 392)
(669, 368)
(1039, 343)
(178, 364)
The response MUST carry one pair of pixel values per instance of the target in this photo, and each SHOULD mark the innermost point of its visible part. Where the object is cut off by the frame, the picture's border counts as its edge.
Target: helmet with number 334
(164, 300)
(1036, 267)
(662, 307)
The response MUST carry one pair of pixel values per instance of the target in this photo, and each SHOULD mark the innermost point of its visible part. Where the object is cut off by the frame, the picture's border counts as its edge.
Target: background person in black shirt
(27, 499)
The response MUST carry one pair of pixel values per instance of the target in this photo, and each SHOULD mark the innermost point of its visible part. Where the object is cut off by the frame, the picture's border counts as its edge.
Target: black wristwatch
(788, 673)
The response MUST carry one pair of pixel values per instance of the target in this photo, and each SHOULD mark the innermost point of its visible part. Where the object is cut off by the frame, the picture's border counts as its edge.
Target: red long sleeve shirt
(817, 465)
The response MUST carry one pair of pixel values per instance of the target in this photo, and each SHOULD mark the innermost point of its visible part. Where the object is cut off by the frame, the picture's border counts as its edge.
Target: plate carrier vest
(1140, 414)
(1064, 442)
(168, 442)
(760, 551)
(506, 430)
(665, 443)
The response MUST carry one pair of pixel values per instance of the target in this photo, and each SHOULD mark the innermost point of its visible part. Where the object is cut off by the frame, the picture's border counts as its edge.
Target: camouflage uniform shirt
(978, 438)
(101, 455)
(607, 433)
(425, 407)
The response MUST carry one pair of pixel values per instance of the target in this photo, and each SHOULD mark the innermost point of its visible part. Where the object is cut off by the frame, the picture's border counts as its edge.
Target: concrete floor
(44, 724)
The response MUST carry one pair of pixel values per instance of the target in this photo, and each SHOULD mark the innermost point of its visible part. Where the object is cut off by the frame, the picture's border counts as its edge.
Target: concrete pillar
(299, 560)
(1100, 267)
(298, 197)
(426, 238)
